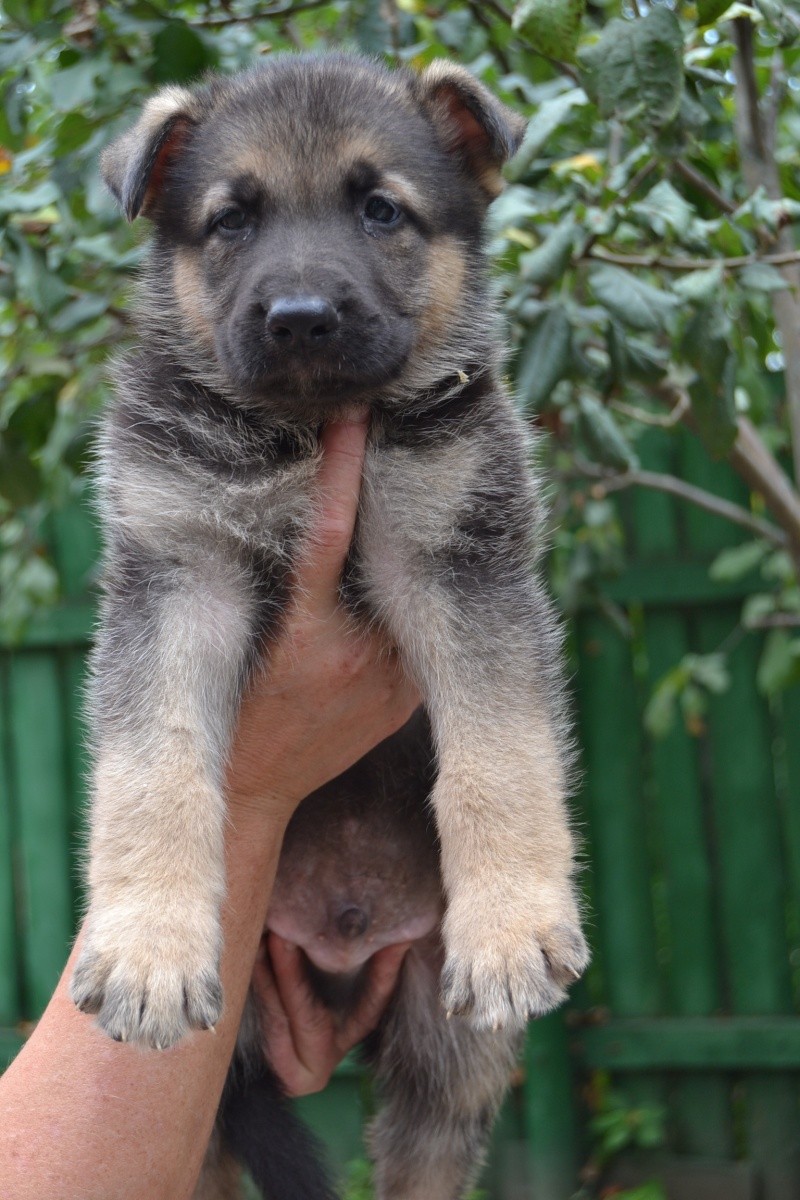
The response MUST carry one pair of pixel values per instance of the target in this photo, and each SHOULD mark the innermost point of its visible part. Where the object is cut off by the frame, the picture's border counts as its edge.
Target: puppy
(317, 227)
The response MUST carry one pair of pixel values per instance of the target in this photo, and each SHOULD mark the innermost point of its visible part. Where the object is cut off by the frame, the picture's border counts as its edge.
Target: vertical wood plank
(9, 976)
(549, 1112)
(748, 846)
(76, 545)
(789, 726)
(610, 728)
(39, 767)
(700, 1108)
(752, 898)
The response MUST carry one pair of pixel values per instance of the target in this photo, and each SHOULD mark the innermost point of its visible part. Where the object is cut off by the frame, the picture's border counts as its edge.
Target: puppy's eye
(382, 211)
(231, 220)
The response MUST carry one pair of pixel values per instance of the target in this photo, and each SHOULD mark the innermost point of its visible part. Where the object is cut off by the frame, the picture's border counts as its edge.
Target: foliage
(358, 1183)
(644, 256)
(619, 1126)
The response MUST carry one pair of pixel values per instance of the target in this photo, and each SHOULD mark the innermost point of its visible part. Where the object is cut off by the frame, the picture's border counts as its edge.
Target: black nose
(301, 320)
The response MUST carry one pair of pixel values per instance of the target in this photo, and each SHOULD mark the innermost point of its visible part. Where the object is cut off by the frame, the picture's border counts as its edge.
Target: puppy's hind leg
(442, 1083)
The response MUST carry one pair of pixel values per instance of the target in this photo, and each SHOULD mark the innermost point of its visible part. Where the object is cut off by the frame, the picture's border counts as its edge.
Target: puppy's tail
(285, 1160)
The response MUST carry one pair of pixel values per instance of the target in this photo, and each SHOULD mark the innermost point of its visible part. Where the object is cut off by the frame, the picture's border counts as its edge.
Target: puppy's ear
(471, 122)
(135, 164)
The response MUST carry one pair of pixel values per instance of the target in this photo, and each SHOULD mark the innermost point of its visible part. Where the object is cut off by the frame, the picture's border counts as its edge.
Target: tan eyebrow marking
(214, 200)
(404, 190)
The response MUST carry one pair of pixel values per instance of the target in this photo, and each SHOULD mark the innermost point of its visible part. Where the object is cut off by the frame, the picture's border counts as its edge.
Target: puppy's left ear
(471, 122)
(135, 165)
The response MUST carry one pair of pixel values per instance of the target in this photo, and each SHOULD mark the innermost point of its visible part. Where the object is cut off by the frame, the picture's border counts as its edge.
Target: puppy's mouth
(307, 351)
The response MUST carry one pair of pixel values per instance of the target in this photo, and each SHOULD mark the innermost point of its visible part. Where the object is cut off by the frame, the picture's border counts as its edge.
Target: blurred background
(645, 254)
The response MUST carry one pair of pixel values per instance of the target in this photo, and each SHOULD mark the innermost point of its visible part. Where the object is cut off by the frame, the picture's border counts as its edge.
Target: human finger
(309, 1020)
(384, 970)
(339, 483)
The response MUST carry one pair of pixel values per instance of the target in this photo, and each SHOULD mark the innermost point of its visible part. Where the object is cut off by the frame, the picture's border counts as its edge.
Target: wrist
(258, 817)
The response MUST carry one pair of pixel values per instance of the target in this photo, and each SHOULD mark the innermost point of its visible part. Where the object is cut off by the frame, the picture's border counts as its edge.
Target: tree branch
(761, 472)
(614, 482)
(677, 263)
(696, 180)
(280, 10)
(760, 170)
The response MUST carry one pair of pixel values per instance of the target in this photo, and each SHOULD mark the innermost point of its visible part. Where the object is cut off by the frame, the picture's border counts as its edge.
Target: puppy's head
(318, 222)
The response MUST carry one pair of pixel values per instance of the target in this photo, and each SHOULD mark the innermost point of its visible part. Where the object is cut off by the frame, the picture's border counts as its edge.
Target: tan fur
(444, 285)
(189, 293)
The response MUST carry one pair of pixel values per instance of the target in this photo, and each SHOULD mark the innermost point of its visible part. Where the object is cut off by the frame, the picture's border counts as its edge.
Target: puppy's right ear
(135, 164)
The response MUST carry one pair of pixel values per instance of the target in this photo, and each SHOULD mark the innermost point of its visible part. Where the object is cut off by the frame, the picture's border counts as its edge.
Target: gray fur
(208, 463)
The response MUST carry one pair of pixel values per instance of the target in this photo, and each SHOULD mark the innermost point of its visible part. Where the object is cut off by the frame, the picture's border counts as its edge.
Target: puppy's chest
(412, 503)
(411, 499)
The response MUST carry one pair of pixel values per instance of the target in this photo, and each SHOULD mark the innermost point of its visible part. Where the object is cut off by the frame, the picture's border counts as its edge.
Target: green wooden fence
(692, 879)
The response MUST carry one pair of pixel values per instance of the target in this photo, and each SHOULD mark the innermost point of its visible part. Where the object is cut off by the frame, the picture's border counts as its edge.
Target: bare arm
(85, 1118)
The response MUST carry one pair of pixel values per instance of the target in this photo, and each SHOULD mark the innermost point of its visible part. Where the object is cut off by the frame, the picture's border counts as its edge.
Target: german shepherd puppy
(318, 244)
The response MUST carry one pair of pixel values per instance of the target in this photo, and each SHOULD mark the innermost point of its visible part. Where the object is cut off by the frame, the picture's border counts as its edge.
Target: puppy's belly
(342, 899)
(359, 868)
(337, 954)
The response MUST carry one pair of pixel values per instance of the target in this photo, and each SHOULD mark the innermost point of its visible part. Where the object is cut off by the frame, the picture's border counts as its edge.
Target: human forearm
(88, 1118)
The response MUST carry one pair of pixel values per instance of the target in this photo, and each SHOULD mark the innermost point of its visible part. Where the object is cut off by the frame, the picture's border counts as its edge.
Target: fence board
(610, 725)
(751, 894)
(40, 804)
(700, 1109)
(9, 976)
(549, 1110)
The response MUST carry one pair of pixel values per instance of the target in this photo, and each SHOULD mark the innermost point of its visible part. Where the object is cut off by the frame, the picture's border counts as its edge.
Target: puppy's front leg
(168, 674)
(454, 586)
(511, 929)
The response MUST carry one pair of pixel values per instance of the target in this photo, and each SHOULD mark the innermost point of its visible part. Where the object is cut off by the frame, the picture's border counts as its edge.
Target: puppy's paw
(150, 987)
(499, 974)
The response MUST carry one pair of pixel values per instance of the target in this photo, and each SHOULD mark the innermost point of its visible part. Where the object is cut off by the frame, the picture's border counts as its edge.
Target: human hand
(304, 1040)
(332, 690)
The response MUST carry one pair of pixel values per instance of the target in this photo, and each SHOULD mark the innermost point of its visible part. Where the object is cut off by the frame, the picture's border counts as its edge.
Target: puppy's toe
(150, 990)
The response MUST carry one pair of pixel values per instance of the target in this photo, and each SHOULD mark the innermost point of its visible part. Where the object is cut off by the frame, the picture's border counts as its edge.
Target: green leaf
(545, 358)
(603, 436)
(551, 26)
(714, 411)
(549, 116)
(547, 262)
(29, 201)
(664, 210)
(779, 666)
(180, 54)
(630, 299)
(736, 561)
(635, 69)
(709, 670)
(762, 277)
(75, 86)
(372, 30)
(632, 358)
(706, 346)
(659, 714)
(709, 11)
(647, 1191)
(699, 287)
